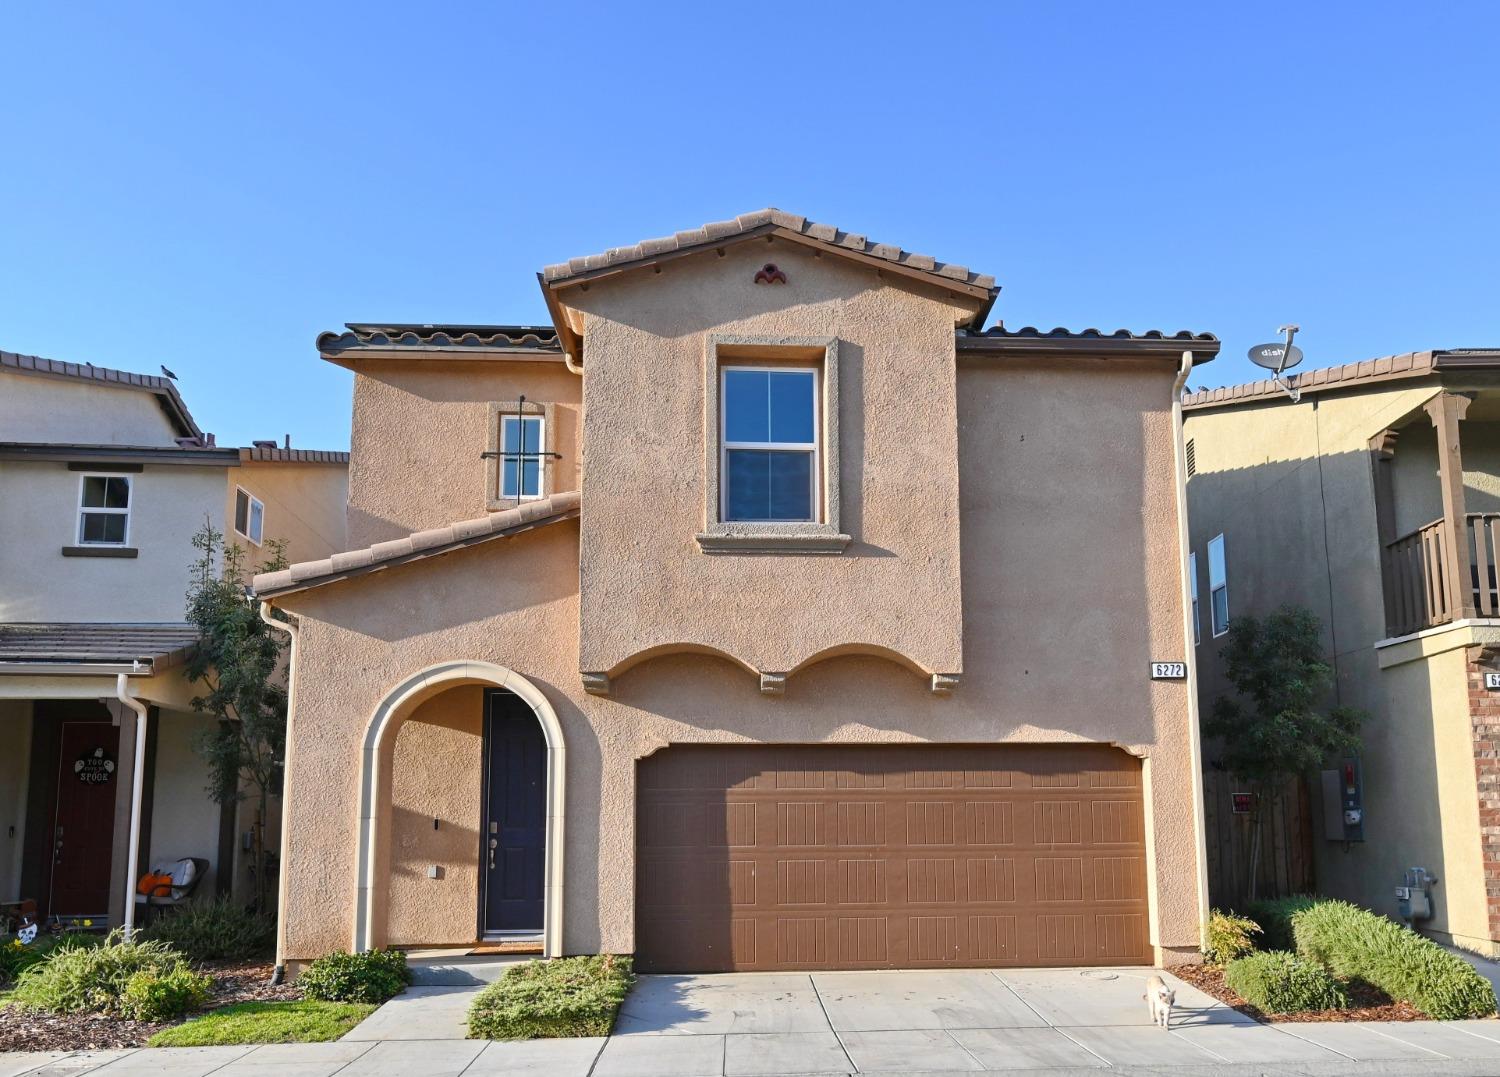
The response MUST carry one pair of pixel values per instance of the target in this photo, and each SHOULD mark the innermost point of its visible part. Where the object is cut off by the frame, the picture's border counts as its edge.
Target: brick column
(1484, 723)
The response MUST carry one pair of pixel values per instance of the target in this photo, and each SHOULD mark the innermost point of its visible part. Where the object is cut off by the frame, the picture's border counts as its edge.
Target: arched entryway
(375, 786)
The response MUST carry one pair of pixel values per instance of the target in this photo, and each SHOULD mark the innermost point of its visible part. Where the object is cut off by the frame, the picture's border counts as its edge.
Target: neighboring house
(792, 621)
(1348, 503)
(104, 479)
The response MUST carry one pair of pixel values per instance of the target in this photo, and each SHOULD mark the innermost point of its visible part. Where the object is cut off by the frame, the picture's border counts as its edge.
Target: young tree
(238, 665)
(1278, 728)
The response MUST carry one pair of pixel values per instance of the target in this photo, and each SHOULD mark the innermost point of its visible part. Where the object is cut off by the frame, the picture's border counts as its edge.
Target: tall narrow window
(521, 463)
(1193, 586)
(104, 510)
(769, 464)
(249, 515)
(1218, 586)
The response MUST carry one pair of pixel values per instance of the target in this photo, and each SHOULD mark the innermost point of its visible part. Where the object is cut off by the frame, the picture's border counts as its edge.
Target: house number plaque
(1492, 681)
(1168, 671)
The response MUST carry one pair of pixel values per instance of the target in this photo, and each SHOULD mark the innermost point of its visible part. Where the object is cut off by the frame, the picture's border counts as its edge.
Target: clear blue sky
(209, 186)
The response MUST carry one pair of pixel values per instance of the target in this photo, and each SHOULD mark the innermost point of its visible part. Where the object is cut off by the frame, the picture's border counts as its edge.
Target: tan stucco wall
(1062, 606)
(1417, 493)
(184, 818)
(168, 505)
(896, 586)
(37, 408)
(420, 427)
(1260, 484)
(305, 507)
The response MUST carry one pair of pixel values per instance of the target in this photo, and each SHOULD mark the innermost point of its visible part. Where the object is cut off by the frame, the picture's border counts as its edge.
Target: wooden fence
(1286, 864)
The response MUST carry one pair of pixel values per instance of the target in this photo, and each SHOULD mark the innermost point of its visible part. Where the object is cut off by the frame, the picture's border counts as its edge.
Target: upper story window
(1218, 586)
(770, 454)
(521, 438)
(1193, 586)
(104, 510)
(249, 515)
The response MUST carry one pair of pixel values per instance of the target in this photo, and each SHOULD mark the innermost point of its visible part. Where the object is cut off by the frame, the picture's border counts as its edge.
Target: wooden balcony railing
(1417, 594)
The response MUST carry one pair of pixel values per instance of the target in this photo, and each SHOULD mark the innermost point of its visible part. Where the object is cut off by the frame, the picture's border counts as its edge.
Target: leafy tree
(238, 666)
(1278, 728)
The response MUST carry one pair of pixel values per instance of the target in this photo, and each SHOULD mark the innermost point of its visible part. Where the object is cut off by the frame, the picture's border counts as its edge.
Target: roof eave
(119, 454)
(1149, 347)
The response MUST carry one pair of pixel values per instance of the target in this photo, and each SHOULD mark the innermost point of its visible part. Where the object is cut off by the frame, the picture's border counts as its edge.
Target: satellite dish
(1278, 356)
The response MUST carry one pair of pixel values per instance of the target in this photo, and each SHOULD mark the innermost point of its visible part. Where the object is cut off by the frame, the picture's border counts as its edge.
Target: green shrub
(1279, 982)
(1357, 944)
(1229, 937)
(16, 957)
(372, 976)
(78, 977)
(153, 996)
(1274, 916)
(567, 996)
(218, 930)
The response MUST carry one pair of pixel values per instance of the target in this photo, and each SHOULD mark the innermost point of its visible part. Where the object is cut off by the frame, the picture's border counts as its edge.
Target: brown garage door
(754, 858)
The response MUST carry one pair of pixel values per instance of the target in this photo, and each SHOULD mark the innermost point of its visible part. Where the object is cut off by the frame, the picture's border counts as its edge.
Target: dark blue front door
(513, 845)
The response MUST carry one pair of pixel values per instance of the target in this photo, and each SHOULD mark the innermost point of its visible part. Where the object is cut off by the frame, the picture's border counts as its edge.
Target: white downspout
(1195, 732)
(278, 974)
(137, 793)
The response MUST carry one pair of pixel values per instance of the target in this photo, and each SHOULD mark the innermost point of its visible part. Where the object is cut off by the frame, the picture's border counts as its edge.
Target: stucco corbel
(772, 684)
(595, 684)
(943, 684)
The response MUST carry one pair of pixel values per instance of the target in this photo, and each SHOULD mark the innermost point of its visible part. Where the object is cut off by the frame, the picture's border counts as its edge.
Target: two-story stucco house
(1374, 501)
(104, 479)
(762, 612)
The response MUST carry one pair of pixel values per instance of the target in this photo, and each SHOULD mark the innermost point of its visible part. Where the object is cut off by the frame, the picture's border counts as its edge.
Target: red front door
(83, 821)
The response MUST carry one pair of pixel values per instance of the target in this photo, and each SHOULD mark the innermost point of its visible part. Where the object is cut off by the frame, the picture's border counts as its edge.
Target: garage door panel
(889, 856)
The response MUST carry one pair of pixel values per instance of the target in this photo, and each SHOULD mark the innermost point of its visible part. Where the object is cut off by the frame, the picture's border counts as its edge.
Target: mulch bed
(34, 1030)
(1367, 1003)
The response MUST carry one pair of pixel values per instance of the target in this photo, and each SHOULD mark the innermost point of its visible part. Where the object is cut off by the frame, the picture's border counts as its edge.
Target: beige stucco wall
(1063, 601)
(897, 586)
(420, 426)
(1417, 492)
(1291, 488)
(15, 732)
(168, 505)
(45, 409)
(184, 818)
(305, 507)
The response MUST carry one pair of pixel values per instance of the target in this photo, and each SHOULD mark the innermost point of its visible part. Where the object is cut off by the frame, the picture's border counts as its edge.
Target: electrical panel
(1344, 803)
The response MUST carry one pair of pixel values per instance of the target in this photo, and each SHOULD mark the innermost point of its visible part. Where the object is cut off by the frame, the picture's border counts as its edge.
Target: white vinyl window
(521, 457)
(768, 446)
(1193, 586)
(1218, 586)
(104, 510)
(249, 515)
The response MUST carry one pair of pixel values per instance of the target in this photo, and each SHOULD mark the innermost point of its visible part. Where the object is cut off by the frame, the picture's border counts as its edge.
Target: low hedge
(147, 981)
(1228, 937)
(1278, 982)
(567, 996)
(1354, 943)
(218, 930)
(1274, 916)
(372, 976)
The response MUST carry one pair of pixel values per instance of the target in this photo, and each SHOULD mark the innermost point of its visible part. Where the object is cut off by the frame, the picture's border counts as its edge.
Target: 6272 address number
(1168, 671)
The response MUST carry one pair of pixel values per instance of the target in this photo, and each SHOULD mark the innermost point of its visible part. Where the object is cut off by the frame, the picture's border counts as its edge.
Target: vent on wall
(1192, 458)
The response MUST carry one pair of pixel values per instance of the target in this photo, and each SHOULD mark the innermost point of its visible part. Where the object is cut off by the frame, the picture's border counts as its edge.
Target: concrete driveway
(757, 1025)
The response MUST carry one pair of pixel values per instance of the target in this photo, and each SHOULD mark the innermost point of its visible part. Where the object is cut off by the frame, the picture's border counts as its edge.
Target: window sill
(750, 538)
(100, 551)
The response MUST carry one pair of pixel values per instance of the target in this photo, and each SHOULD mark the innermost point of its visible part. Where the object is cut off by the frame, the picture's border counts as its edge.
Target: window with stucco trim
(104, 510)
(520, 455)
(1218, 587)
(249, 515)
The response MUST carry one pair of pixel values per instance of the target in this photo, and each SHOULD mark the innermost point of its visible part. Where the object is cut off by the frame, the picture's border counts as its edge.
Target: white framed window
(1193, 587)
(521, 441)
(249, 515)
(104, 510)
(1218, 587)
(769, 451)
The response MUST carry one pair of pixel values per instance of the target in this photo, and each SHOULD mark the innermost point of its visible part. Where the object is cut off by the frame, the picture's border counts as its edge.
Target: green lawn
(266, 1022)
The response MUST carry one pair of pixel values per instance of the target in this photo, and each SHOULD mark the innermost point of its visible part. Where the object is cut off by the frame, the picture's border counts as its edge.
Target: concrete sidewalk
(1053, 1022)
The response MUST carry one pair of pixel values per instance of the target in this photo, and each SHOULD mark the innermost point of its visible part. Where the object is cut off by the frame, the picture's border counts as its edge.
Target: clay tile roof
(418, 545)
(757, 223)
(1030, 338)
(62, 645)
(165, 391)
(263, 454)
(1406, 365)
(360, 335)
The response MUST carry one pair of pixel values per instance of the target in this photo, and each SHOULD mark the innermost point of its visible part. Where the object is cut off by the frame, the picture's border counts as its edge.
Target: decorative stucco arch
(388, 716)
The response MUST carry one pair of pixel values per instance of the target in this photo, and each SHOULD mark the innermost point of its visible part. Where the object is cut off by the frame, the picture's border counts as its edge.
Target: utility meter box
(1344, 803)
